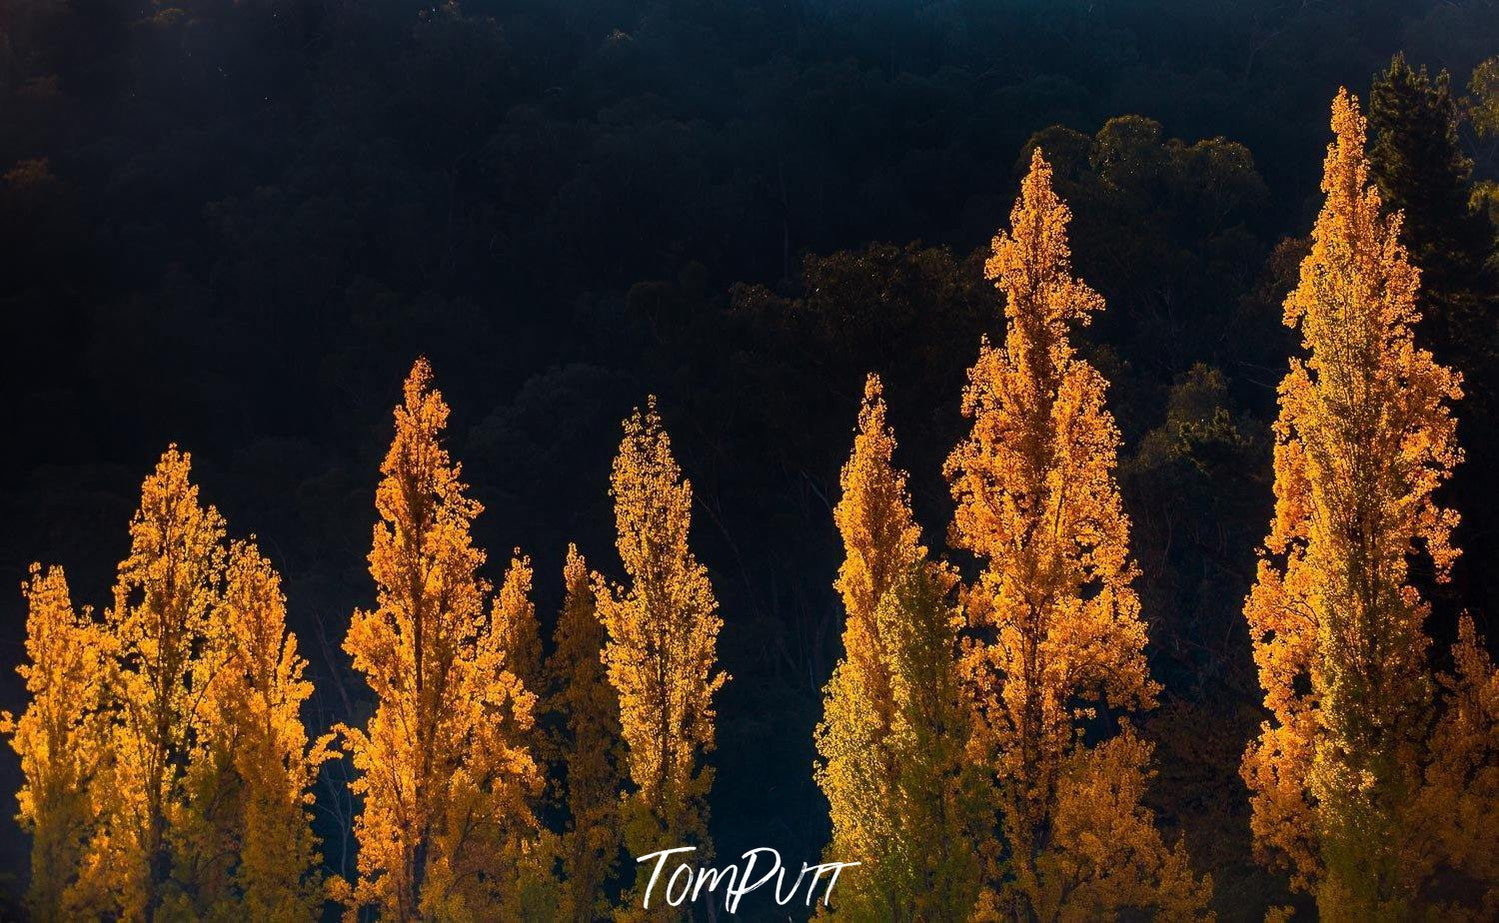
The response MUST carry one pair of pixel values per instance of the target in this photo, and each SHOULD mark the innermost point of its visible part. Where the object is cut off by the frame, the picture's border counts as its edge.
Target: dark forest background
(233, 225)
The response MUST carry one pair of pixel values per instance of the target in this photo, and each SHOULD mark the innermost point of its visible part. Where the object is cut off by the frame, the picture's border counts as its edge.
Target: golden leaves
(663, 631)
(1364, 438)
(1056, 621)
(61, 739)
(185, 787)
(894, 729)
(444, 775)
(591, 744)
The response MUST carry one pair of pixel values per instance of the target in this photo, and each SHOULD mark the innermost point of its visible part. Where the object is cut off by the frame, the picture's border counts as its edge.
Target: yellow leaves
(1457, 809)
(663, 630)
(445, 778)
(184, 789)
(1106, 855)
(514, 620)
(1037, 502)
(60, 741)
(591, 746)
(1032, 263)
(892, 737)
(879, 537)
(1364, 438)
(254, 752)
(161, 619)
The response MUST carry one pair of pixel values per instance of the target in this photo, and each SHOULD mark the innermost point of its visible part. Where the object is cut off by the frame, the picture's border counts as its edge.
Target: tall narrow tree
(515, 620)
(894, 728)
(247, 833)
(662, 650)
(1457, 812)
(162, 631)
(590, 746)
(1058, 637)
(62, 742)
(1420, 168)
(444, 781)
(1364, 438)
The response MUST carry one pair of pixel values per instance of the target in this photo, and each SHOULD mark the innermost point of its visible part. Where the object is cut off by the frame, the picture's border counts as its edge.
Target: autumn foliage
(250, 782)
(981, 744)
(662, 649)
(1056, 639)
(1346, 778)
(444, 778)
(62, 743)
(593, 757)
(904, 800)
(168, 770)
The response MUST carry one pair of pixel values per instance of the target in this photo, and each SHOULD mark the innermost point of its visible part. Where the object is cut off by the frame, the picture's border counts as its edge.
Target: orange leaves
(1365, 437)
(894, 728)
(1032, 263)
(444, 775)
(185, 785)
(514, 620)
(255, 753)
(1059, 621)
(61, 741)
(662, 649)
(880, 538)
(161, 619)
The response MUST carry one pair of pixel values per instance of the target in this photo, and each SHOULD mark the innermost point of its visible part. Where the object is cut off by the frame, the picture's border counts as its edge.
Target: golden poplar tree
(246, 838)
(444, 780)
(162, 633)
(1364, 438)
(661, 654)
(1456, 815)
(537, 894)
(61, 739)
(590, 745)
(891, 742)
(186, 789)
(1057, 633)
(515, 620)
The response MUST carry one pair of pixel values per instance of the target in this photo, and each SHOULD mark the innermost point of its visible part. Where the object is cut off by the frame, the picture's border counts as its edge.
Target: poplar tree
(246, 839)
(661, 654)
(1455, 817)
(61, 739)
(591, 747)
(445, 782)
(515, 620)
(168, 769)
(1345, 779)
(162, 633)
(902, 795)
(1057, 640)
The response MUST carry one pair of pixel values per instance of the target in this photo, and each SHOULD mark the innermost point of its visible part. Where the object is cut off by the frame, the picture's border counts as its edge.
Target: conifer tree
(1364, 438)
(590, 746)
(61, 739)
(246, 837)
(902, 794)
(661, 654)
(1058, 641)
(161, 630)
(444, 781)
(1420, 168)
